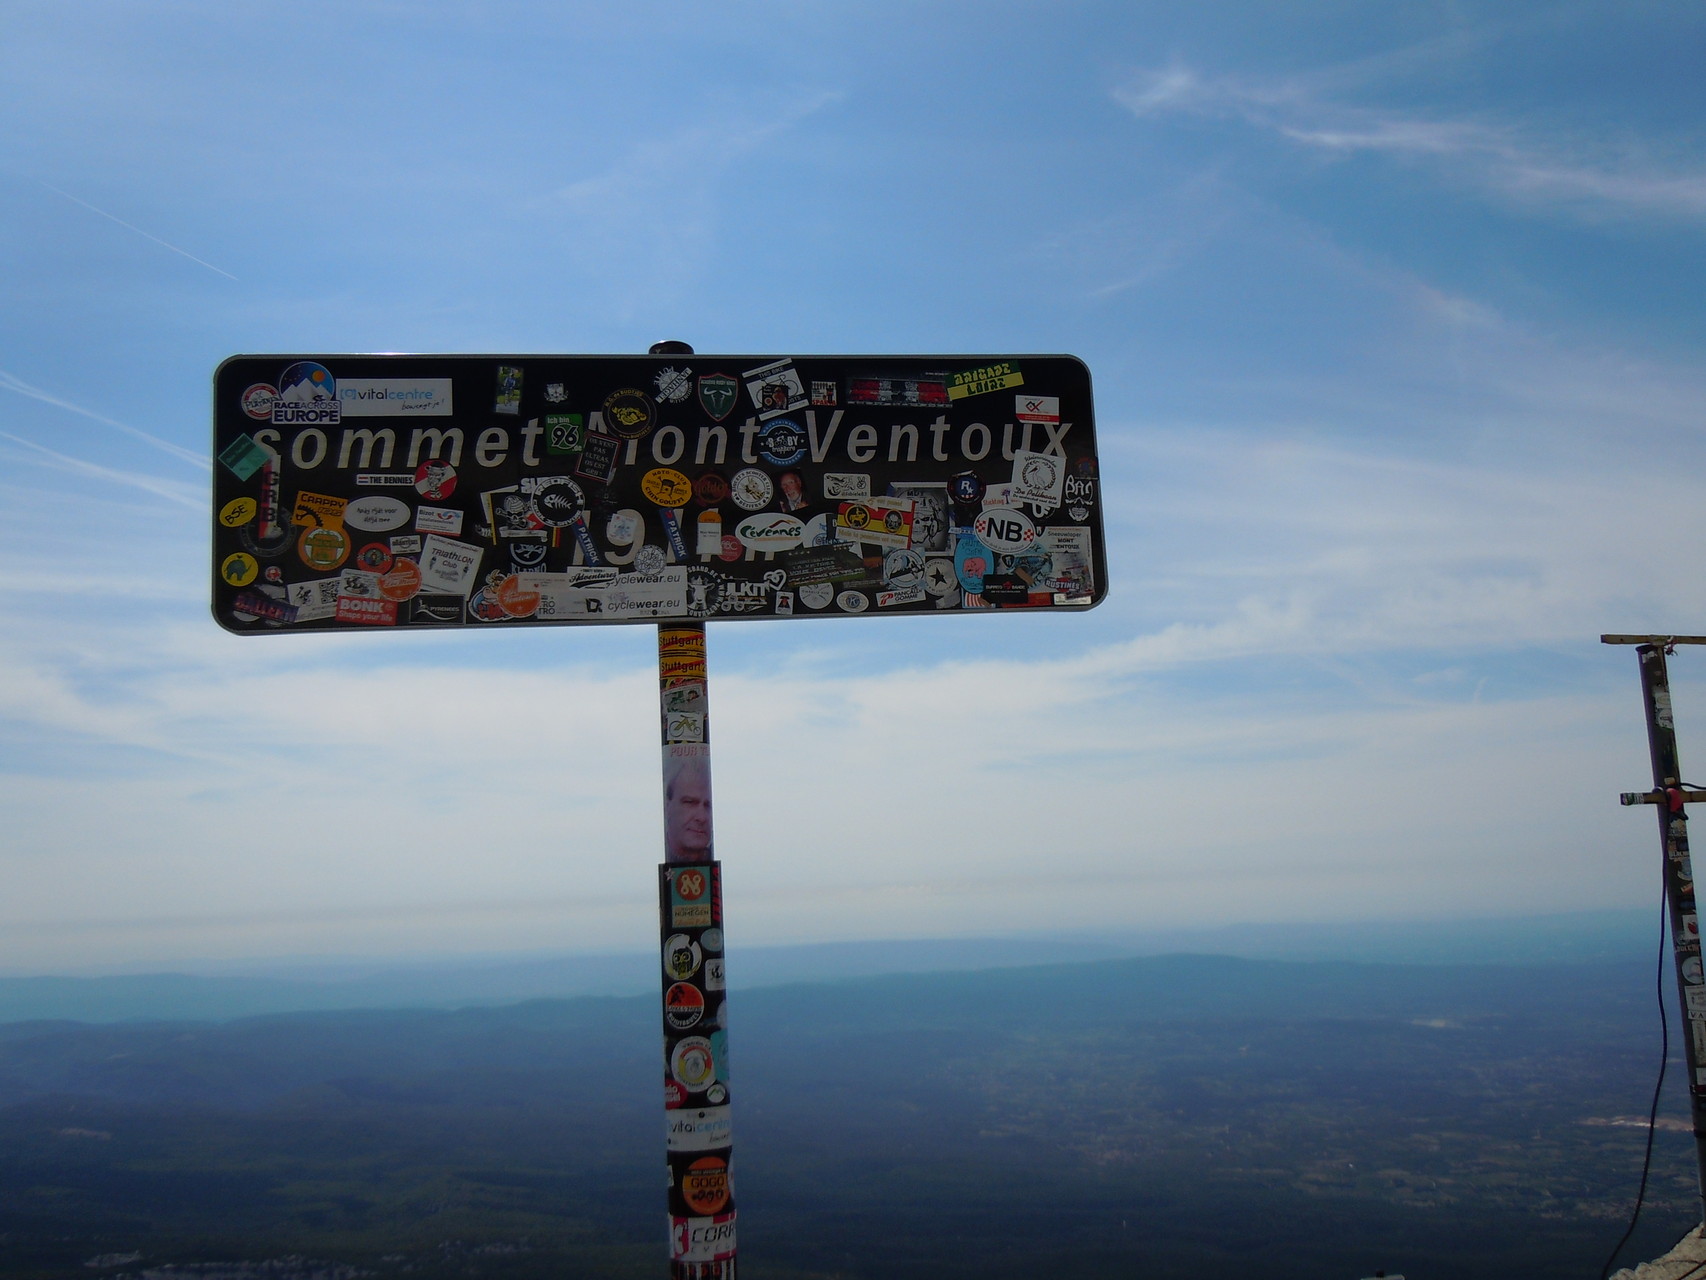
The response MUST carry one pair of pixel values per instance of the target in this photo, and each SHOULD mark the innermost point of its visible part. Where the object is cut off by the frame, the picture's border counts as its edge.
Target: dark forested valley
(1161, 1117)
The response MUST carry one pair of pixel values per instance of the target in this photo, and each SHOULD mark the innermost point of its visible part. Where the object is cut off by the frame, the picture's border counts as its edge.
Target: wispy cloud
(1586, 173)
(147, 235)
(653, 214)
(10, 382)
(168, 489)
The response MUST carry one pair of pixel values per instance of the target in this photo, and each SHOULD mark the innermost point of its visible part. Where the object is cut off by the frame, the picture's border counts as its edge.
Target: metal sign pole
(690, 926)
(1671, 800)
(690, 931)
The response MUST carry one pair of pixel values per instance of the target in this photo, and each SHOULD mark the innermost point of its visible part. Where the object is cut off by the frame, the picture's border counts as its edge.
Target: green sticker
(243, 457)
(565, 432)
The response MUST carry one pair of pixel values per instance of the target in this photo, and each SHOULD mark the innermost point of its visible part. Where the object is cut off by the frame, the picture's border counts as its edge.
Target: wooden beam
(1652, 639)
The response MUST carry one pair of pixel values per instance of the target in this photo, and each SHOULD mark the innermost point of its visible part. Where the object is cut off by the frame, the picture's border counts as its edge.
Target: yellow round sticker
(236, 512)
(239, 569)
(667, 487)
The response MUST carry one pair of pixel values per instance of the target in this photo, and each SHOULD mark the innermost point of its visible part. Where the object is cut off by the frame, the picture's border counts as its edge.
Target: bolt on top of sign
(441, 491)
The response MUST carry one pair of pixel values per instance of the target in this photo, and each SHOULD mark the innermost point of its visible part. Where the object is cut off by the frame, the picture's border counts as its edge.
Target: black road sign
(439, 491)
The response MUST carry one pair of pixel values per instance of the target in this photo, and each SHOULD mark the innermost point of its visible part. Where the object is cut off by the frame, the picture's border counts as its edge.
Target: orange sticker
(514, 600)
(323, 548)
(705, 1185)
(403, 582)
(318, 511)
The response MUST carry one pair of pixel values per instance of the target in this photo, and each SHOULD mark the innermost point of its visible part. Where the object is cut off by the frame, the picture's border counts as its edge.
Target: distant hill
(251, 1060)
(302, 986)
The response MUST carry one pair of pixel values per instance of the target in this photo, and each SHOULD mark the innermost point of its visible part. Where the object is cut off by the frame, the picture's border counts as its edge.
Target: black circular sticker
(559, 502)
(629, 413)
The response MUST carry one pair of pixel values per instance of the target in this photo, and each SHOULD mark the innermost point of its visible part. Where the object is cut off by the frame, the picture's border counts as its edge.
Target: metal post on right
(1671, 799)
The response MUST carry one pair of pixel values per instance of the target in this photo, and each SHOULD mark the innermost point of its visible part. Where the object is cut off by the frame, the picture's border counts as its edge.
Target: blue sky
(1394, 319)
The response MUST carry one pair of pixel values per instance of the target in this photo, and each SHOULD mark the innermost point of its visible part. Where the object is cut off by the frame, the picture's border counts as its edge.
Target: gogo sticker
(681, 956)
(692, 1064)
(683, 1006)
(705, 1185)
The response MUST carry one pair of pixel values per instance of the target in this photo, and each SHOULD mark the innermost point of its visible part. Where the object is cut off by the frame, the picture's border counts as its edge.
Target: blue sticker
(971, 562)
(589, 549)
(720, 1054)
(672, 531)
(782, 443)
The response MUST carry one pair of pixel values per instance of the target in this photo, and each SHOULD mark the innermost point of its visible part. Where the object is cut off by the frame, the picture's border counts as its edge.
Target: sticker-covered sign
(546, 490)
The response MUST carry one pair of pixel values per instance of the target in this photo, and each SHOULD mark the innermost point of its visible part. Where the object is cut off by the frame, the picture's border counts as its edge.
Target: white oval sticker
(770, 531)
(376, 514)
(1005, 529)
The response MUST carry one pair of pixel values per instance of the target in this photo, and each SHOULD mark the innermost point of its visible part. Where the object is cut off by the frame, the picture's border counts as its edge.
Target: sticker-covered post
(690, 919)
(1671, 801)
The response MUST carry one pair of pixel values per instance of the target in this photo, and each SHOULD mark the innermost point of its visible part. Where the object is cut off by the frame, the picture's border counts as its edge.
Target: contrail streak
(161, 488)
(139, 231)
(11, 383)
